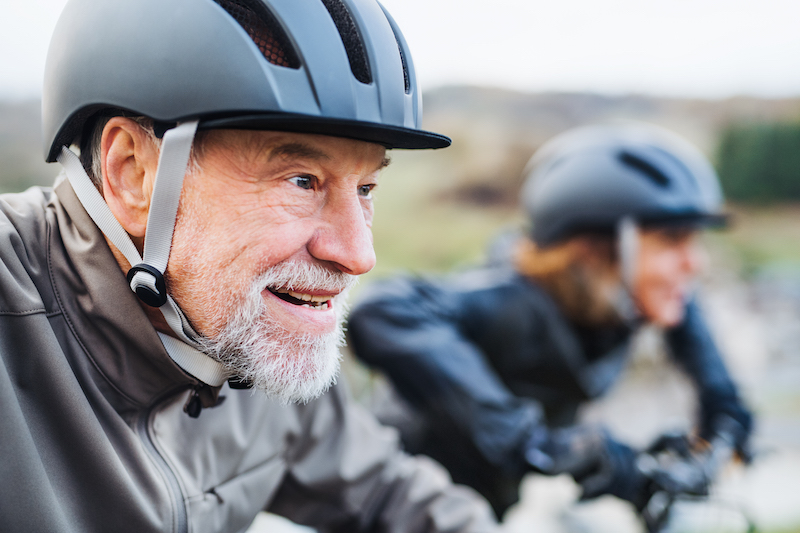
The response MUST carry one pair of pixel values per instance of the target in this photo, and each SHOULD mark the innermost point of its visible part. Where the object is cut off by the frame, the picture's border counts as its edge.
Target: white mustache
(305, 277)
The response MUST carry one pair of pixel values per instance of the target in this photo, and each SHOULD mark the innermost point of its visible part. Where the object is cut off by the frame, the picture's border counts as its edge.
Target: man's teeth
(308, 297)
(321, 307)
(314, 301)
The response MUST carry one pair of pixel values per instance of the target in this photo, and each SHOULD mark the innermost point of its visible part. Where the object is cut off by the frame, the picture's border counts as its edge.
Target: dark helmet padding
(264, 30)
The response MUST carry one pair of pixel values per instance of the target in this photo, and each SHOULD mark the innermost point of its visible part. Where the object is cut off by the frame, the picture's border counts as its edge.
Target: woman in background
(495, 362)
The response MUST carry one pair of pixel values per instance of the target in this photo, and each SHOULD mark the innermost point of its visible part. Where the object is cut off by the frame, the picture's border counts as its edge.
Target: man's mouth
(311, 301)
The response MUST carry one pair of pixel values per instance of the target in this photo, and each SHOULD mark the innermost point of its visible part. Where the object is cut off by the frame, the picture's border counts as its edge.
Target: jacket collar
(103, 312)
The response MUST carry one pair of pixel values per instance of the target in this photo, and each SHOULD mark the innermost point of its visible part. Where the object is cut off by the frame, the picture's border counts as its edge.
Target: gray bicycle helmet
(591, 178)
(337, 67)
(333, 67)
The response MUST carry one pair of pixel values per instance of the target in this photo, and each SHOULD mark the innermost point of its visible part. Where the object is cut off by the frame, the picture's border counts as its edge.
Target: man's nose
(344, 236)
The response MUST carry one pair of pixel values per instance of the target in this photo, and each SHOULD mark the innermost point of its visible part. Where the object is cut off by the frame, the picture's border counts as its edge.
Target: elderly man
(203, 243)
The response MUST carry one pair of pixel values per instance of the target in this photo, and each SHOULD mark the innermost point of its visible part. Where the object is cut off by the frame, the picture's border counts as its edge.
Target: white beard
(289, 367)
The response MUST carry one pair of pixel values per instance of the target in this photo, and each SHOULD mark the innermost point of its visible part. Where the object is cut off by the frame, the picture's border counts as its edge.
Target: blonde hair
(581, 274)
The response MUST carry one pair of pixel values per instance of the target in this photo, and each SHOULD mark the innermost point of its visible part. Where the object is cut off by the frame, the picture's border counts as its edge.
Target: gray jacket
(93, 433)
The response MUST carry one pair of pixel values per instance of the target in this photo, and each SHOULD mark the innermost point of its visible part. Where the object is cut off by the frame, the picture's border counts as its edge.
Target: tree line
(760, 162)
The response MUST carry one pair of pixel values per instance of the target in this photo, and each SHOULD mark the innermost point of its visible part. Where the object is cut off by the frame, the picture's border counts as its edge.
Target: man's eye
(304, 182)
(365, 191)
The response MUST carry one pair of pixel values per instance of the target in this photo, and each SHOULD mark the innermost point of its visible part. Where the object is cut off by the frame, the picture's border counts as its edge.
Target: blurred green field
(761, 238)
(418, 229)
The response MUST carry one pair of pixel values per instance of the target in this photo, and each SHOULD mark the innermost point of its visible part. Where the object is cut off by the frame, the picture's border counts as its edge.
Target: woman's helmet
(592, 178)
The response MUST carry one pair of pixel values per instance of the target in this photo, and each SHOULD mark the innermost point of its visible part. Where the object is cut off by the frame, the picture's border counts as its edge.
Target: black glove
(725, 416)
(674, 466)
(597, 462)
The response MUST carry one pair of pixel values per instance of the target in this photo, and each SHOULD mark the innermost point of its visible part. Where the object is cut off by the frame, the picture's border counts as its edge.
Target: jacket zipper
(181, 522)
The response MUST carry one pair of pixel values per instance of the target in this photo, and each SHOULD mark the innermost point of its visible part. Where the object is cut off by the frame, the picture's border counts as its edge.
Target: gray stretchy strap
(186, 357)
(96, 206)
(176, 149)
(628, 252)
(628, 243)
(184, 351)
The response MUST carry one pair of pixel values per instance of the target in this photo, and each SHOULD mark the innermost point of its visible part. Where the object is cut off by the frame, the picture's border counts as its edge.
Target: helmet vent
(350, 38)
(644, 167)
(406, 80)
(264, 30)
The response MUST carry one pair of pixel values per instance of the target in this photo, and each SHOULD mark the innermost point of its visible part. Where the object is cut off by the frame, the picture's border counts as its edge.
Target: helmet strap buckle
(148, 284)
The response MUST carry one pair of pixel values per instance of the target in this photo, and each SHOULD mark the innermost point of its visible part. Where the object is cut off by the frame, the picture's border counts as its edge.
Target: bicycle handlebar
(676, 470)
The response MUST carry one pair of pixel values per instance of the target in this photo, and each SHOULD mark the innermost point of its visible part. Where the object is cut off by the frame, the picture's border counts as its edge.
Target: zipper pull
(193, 405)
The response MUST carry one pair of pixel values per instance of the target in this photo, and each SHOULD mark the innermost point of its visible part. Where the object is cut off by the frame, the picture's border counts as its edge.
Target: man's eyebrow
(303, 151)
(298, 150)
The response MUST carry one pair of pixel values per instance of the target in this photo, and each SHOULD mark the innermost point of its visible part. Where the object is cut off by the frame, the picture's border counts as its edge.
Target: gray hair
(90, 147)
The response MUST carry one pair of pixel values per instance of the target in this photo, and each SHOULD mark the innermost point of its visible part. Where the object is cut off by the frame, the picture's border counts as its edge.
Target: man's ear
(129, 160)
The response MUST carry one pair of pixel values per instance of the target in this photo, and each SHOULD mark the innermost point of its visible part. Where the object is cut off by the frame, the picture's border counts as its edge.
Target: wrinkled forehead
(286, 147)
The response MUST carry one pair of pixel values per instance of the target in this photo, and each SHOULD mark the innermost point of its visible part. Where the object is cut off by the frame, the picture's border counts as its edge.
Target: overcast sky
(707, 48)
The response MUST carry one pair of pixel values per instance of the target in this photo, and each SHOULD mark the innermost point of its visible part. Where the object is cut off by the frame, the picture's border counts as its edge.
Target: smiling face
(668, 263)
(272, 229)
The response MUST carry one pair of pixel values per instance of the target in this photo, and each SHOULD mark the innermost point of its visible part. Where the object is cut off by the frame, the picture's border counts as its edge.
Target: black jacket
(487, 355)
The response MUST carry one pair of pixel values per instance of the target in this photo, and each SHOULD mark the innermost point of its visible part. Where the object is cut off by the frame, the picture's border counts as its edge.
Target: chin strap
(628, 251)
(146, 277)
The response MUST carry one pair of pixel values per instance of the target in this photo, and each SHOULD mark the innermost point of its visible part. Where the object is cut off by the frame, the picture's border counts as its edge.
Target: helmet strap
(146, 276)
(628, 252)
(176, 148)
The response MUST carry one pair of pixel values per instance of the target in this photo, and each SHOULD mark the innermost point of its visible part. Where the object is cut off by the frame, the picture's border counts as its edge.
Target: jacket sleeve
(414, 333)
(348, 475)
(693, 347)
